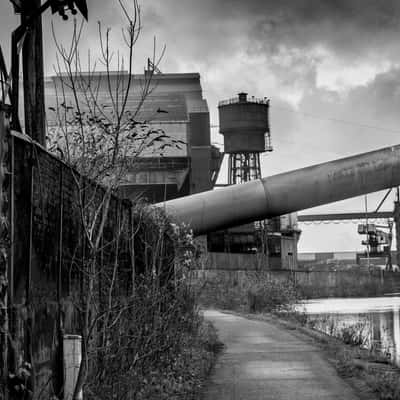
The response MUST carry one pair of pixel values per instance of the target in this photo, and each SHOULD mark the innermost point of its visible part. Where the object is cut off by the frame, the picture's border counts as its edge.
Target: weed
(386, 384)
(257, 292)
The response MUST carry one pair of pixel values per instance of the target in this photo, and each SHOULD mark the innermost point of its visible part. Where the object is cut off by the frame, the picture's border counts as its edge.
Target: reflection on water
(372, 322)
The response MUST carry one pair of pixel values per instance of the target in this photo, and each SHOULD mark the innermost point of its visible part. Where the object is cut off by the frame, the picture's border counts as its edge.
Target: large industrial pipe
(288, 192)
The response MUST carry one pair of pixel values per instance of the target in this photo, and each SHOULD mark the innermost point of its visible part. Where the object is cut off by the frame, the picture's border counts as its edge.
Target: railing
(235, 100)
(158, 163)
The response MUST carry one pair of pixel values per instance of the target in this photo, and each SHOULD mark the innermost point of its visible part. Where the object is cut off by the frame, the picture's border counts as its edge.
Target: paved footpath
(263, 361)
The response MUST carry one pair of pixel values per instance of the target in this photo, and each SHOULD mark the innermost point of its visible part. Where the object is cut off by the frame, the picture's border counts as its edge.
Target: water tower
(244, 122)
(245, 125)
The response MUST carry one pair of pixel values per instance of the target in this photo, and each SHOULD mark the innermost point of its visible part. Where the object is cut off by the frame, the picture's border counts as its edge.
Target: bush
(355, 335)
(160, 348)
(254, 292)
(386, 384)
(272, 296)
(149, 340)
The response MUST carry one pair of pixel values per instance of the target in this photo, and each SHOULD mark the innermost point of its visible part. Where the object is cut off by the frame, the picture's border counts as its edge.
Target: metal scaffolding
(243, 167)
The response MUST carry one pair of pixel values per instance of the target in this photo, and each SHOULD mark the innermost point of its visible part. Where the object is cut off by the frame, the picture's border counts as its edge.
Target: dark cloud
(348, 26)
(354, 28)
(287, 32)
(330, 67)
(364, 118)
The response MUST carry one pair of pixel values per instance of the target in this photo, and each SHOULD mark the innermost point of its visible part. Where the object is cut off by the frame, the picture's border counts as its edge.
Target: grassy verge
(257, 292)
(186, 376)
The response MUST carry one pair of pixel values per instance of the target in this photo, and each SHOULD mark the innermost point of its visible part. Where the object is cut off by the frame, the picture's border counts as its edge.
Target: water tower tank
(245, 124)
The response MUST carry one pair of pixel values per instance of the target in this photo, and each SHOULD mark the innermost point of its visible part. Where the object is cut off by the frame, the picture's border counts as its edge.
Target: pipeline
(288, 192)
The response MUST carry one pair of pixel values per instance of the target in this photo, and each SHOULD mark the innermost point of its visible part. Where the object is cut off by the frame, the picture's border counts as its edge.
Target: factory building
(175, 105)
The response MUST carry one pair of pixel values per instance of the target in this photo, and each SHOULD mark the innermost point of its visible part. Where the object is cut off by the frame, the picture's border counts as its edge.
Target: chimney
(242, 97)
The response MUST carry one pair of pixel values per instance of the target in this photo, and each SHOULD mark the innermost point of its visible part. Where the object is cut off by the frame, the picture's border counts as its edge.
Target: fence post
(4, 244)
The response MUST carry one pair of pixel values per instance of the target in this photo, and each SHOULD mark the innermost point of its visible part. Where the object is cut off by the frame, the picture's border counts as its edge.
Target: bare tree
(101, 141)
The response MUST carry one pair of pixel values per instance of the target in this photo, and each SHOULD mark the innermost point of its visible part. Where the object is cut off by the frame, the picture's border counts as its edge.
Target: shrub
(150, 342)
(386, 384)
(272, 296)
(254, 292)
(355, 334)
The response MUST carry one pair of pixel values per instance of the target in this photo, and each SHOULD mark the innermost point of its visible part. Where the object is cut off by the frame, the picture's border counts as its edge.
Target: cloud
(326, 125)
(321, 34)
(331, 67)
(364, 118)
(351, 27)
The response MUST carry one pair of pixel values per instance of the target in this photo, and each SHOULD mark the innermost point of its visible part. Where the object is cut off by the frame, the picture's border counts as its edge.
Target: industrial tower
(245, 125)
(244, 122)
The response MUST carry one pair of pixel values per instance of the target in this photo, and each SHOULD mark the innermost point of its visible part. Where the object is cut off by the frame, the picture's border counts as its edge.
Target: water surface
(374, 322)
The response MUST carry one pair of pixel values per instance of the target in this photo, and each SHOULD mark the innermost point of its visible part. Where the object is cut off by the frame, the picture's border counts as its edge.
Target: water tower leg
(396, 215)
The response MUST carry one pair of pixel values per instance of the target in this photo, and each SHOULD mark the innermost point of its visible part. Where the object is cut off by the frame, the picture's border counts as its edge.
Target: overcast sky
(331, 69)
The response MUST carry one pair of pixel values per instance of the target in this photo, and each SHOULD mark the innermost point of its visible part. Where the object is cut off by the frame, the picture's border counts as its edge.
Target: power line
(338, 120)
(332, 119)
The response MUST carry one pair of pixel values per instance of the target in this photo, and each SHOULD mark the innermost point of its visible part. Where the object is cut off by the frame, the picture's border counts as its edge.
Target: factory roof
(170, 96)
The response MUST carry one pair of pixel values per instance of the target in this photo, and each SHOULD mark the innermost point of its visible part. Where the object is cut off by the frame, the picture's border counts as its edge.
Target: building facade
(174, 105)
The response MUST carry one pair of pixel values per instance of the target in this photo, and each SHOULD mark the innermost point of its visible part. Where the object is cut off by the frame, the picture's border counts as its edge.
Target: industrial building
(175, 105)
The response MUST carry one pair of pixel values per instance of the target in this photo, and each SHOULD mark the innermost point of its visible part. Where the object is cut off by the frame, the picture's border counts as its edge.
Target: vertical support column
(60, 235)
(132, 233)
(396, 215)
(15, 87)
(4, 244)
(243, 167)
(32, 61)
(59, 373)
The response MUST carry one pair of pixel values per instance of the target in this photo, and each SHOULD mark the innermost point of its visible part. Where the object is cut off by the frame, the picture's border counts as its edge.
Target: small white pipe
(72, 348)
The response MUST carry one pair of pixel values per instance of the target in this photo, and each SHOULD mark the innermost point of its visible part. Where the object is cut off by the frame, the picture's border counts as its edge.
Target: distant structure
(177, 107)
(245, 126)
(244, 123)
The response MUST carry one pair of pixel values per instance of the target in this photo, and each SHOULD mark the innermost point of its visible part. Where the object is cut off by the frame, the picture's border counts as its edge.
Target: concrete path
(263, 361)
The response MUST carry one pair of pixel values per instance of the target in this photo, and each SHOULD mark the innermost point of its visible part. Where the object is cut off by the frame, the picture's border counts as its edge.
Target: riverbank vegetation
(356, 353)
(152, 342)
(369, 369)
(257, 292)
(173, 347)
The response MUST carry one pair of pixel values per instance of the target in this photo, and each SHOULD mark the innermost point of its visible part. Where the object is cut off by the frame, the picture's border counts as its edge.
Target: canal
(372, 322)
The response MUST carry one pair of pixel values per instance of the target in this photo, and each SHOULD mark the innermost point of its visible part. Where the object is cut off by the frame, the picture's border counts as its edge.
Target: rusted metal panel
(200, 178)
(4, 244)
(47, 282)
(288, 192)
(199, 123)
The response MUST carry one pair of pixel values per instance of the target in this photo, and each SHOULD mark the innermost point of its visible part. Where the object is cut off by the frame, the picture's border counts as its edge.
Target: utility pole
(366, 224)
(396, 217)
(32, 67)
(29, 33)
